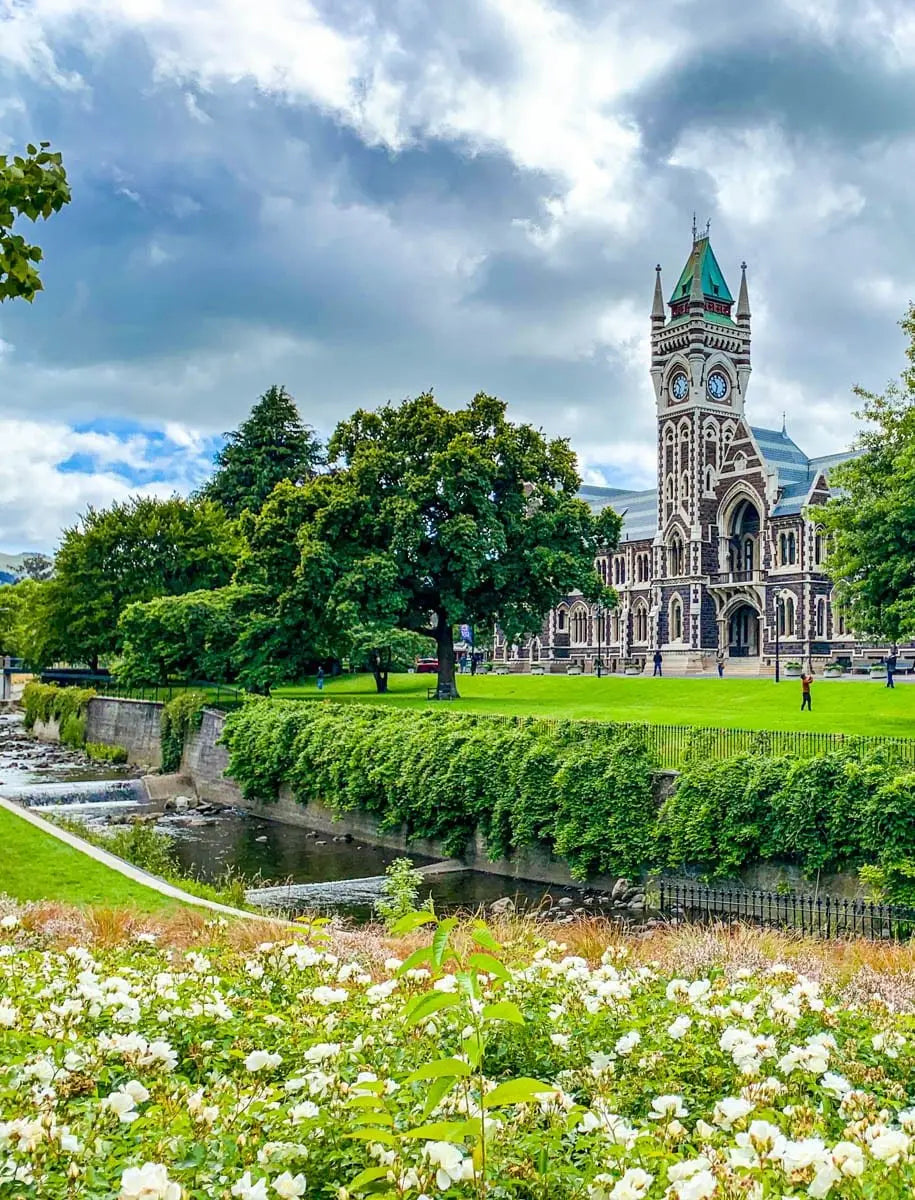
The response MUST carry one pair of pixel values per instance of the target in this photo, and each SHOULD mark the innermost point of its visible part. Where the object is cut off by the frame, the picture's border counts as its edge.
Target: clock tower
(700, 367)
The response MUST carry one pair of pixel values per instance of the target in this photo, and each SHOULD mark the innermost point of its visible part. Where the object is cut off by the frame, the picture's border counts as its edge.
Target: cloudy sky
(365, 198)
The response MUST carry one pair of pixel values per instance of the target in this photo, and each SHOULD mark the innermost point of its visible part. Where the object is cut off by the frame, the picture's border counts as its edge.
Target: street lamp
(779, 607)
(600, 624)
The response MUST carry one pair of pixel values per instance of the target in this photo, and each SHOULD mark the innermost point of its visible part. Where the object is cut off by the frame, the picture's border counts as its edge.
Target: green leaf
(516, 1091)
(362, 1101)
(436, 1092)
(372, 1135)
(492, 966)
(503, 1010)
(473, 1048)
(442, 1067)
(440, 940)
(416, 959)
(481, 935)
(370, 1175)
(412, 921)
(428, 1004)
(439, 1131)
(372, 1118)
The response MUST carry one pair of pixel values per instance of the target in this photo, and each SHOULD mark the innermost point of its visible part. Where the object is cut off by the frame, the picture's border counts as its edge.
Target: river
(316, 870)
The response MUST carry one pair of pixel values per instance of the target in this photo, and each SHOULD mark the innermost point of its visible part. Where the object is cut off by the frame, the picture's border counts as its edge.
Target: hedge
(583, 791)
(66, 705)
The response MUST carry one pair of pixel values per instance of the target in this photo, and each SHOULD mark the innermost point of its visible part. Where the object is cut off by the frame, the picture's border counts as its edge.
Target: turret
(743, 299)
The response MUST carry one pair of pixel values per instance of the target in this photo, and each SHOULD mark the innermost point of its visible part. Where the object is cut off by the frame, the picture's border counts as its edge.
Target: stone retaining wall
(133, 724)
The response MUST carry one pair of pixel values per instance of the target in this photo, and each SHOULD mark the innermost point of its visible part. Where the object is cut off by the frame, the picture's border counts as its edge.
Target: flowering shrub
(154, 1074)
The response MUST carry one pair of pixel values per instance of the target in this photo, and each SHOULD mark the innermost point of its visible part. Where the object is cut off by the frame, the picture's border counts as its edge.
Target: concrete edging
(127, 869)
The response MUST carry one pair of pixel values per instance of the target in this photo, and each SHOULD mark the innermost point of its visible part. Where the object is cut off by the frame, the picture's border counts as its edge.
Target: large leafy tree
(872, 519)
(431, 517)
(32, 185)
(132, 551)
(272, 445)
(192, 636)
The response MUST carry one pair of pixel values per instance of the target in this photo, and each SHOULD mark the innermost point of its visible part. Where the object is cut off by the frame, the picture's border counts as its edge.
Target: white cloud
(37, 498)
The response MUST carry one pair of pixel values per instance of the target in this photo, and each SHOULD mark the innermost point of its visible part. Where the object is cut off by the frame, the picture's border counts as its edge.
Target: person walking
(890, 669)
(806, 681)
(320, 679)
(657, 660)
(719, 659)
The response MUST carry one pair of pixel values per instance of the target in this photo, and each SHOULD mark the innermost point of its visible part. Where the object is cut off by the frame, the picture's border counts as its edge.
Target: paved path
(124, 867)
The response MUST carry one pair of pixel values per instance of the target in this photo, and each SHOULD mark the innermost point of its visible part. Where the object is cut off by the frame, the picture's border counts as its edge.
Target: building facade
(727, 548)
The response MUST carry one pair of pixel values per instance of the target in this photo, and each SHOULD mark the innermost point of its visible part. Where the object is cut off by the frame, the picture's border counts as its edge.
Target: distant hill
(11, 566)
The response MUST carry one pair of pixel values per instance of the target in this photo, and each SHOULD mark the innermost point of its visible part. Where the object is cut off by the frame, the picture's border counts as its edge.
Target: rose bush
(144, 1072)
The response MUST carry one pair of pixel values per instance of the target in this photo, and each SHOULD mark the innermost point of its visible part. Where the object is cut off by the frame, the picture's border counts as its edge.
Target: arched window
(709, 480)
(640, 624)
(579, 627)
(615, 626)
(787, 549)
(749, 550)
(675, 619)
(819, 546)
(684, 488)
(561, 620)
(821, 617)
(786, 616)
(622, 570)
(711, 446)
(675, 556)
(839, 622)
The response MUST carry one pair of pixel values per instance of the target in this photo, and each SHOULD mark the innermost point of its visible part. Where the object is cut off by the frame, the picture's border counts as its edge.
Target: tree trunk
(379, 671)
(444, 638)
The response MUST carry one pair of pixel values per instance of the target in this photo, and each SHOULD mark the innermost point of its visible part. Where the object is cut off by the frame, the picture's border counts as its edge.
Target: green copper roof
(713, 284)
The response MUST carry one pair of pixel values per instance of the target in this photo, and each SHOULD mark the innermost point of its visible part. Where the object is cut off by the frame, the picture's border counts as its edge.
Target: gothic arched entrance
(743, 632)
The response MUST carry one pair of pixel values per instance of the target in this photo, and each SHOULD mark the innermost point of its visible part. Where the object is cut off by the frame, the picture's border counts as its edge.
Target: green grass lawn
(36, 866)
(856, 707)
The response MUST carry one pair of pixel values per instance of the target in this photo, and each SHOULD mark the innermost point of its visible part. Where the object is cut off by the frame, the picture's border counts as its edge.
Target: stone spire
(695, 291)
(657, 308)
(743, 299)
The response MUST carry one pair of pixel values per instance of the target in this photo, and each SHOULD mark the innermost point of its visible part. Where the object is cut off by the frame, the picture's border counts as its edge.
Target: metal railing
(219, 695)
(822, 916)
(673, 744)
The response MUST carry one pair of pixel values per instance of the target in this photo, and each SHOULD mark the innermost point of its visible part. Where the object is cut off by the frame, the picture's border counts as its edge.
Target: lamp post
(600, 630)
(779, 605)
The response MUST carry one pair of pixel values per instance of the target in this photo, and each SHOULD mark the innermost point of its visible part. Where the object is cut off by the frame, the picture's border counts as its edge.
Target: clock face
(679, 386)
(717, 385)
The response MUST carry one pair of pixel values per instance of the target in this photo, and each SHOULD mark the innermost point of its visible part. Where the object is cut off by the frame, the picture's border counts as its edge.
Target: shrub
(400, 891)
(579, 788)
(47, 702)
(101, 752)
(180, 717)
(73, 731)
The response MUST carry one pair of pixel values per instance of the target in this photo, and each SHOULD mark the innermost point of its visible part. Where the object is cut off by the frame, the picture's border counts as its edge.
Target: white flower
(700, 1186)
(628, 1042)
(8, 1014)
(303, 1112)
(10, 921)
(244, 1189)
(890, 1146)
(835, 1085)
(258, 1060)
(451, 1165)
(890, 1043)
(821, 1184)
(560, 1040)
(288, 1187)
(677, 1029)
(124, 1101)
(633, 1186)
(149, 1182)
(849, 1158)
(664, 1107)
(327, 995)
(321, 1051)
(730, 1110)
(600, 1061)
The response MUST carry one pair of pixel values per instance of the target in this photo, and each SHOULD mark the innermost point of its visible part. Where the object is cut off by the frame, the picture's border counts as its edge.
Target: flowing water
(296, 869)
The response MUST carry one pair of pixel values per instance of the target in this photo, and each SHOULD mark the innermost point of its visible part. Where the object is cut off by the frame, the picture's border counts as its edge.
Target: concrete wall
(133, 724)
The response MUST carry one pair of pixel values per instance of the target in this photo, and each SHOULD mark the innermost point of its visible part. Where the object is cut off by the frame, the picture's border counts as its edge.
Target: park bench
(905, 666)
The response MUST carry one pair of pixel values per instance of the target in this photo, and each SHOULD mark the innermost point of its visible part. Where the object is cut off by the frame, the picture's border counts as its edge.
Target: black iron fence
(219, 695)
(822, 916)
(673, 744)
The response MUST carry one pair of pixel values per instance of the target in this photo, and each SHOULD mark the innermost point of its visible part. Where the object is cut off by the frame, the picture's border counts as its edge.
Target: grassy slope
(864, 707)
(36, 866)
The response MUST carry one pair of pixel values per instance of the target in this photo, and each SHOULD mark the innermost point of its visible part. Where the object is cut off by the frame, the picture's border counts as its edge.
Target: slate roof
(639, 510)
(796, 472)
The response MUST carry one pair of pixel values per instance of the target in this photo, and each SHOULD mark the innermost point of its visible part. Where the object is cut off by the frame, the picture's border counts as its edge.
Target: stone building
(725, 546)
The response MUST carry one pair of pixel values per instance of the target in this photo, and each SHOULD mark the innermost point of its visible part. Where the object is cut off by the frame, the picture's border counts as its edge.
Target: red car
(427, 666)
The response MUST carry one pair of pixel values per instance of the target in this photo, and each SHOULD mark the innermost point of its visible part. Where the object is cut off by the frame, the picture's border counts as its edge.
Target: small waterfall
(319, 895)
(94, 793)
